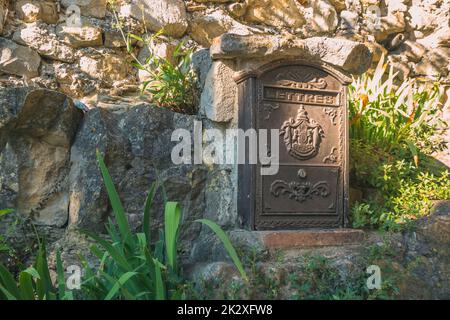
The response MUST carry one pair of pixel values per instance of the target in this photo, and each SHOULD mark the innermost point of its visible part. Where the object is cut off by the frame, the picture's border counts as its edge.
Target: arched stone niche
(278, 79)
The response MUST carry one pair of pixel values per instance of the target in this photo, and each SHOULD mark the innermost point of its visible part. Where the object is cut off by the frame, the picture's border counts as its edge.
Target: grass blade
(172, 217)
(60, 273)
(26, 286)
(5, 211)
(147, 210)
(159, 284)
(227, 244)
(116, 287)
(8, 281)
(113, 252)
(8, 294)
(44, 283)
(114, 199)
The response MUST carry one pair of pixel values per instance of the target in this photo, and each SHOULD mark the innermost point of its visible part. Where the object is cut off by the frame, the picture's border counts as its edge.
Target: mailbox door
(308, 107)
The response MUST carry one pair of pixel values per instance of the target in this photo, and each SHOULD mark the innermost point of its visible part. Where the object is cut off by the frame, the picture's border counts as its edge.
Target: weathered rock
(377, 50)
(439, 38)
(339, 5)
(114, 39)
(39, 125)
(79, 37)
(287, 13)
(94, 8)
(349, 20)
(396, 5)
(18, 60)
(321, 18)
(204, 28)
(28, 11)
(434, 63)
(421, 19)
(391, 24)
(9, 177)
(169, 15)
(201, 62)
(72, 81)
(210, 272)
(49, 12)
(33, 10)
(159, 48)
(237, 9)
(213, 1)
(2, 14)
(351, 56)
(107, 67)
(136, 143)
(413, 50)
(217, 101)
(43, 39)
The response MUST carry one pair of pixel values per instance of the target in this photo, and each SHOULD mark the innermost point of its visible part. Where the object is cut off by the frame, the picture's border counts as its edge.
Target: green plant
(3, 246)
(131, 267)
(172, 81)
(394, 119)
(392, 132)
(35, 283)
(400, 191)
(5, 211)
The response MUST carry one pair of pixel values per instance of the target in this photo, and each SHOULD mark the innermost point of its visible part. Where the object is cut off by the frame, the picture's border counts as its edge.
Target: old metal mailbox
(307, 103)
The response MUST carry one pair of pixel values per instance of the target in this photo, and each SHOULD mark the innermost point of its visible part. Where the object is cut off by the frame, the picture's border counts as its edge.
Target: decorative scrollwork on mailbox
(300, 80)
(332, 157)
(269, 107)
(300, 191)
(332, 113)
(302, 136)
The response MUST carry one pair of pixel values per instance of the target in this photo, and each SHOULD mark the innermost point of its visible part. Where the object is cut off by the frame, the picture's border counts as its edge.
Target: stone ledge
(310, 238)
(350, 56)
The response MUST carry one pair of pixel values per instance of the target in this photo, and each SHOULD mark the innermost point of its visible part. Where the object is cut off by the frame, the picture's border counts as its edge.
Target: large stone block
(93, 8)
(204, 28)
(353, 57)
(169, 15)
(218, 97)
(107, 67)
(18, 60)
(43, 39)
(39, 125)
(34, 10)
(2, 14)
(135, 140)
(277, 13)
(79, 37)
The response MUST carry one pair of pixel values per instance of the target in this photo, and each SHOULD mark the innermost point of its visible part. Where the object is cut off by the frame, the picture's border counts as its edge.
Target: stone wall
(37, 46)
(90, 63)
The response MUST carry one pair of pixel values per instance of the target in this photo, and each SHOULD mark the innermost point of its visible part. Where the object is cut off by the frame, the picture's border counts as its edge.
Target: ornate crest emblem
(302, 136)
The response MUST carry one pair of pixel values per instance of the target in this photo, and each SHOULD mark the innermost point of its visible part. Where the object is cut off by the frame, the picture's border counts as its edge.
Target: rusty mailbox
(307, 103)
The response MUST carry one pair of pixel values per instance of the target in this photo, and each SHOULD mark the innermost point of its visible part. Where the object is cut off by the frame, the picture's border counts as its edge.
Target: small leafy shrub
(392, 133)
(130, 266)
(395, 119)
(35, 283)
(172, 81)
(401, 191)
(133, 268)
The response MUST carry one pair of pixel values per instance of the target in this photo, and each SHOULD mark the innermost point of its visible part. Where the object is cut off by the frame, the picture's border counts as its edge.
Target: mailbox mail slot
(307, 104)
